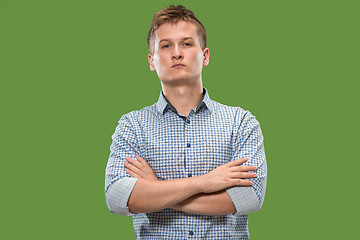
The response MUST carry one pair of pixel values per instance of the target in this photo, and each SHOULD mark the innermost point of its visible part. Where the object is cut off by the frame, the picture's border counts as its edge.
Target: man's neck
(184, 98)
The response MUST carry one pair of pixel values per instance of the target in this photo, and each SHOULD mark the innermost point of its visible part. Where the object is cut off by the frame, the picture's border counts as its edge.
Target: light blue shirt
(179, 147)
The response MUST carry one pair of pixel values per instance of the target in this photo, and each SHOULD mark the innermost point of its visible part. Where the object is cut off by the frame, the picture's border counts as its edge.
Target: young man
(187, 166)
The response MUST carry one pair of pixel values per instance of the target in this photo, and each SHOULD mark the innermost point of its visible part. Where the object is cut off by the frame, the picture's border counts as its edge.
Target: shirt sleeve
(249, 143)
(118, 184)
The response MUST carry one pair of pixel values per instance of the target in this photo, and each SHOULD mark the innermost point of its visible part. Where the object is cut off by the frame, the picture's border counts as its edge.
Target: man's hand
(151, 195)
(224, 176)
(139, 168)
(227, 175)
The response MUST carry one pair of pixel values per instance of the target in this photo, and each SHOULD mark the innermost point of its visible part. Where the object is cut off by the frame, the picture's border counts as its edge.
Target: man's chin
(179, 81)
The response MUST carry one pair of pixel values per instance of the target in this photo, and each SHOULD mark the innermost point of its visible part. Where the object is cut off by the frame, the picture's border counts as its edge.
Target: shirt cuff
(244, 199)
(118, 195)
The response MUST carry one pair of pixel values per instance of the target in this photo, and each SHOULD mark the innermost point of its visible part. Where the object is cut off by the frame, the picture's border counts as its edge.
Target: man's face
(178, 57)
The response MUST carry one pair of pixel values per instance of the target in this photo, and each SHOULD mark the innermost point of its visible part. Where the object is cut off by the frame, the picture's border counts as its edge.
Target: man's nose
(177, 54)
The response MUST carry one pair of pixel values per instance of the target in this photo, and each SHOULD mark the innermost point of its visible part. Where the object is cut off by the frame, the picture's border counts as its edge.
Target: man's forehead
(176, 31)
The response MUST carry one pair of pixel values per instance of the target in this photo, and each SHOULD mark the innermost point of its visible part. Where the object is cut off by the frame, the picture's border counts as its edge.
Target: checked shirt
(176, 146)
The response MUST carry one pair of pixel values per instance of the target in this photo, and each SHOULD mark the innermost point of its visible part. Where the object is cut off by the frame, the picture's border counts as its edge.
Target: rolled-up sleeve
(118, 195)
(249, 142)
(118, 184)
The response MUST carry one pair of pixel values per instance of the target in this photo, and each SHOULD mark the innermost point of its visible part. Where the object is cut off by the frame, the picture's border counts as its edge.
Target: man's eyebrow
(164, 40)
(169, 40)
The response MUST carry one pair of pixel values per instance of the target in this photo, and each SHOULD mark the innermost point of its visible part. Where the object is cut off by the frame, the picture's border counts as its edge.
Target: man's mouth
(179, 65)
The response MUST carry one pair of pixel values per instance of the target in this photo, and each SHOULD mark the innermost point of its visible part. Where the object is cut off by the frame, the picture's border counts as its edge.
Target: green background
(69, 69)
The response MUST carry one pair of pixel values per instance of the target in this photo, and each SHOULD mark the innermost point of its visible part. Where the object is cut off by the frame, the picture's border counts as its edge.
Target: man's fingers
(134, 162)
(241, 182)
(131, 167)
(243, 168)
(141, 160)
(237, 162)
(243, 175)
(131, 173)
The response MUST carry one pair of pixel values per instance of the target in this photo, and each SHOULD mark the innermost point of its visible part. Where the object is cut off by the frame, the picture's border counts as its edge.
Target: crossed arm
(208, 194)
(204, 194)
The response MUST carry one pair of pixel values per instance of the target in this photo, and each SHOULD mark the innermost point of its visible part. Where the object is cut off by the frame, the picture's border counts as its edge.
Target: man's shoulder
(229, 110)
(144, 113)
(234, 114)
(242, 120)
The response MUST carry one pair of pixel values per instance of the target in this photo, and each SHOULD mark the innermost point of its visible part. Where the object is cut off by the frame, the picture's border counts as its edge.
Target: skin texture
(200, 195)
(178, 60)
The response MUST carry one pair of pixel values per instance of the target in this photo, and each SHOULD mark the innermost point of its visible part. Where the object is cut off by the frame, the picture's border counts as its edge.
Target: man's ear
(206, 56)
(150, 59)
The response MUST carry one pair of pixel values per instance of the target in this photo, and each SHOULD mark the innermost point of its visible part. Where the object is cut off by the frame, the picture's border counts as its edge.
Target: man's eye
(187, 44)
(166, 46)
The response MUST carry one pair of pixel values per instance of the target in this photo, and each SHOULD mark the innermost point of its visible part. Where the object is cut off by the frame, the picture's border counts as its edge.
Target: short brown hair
(173, 14)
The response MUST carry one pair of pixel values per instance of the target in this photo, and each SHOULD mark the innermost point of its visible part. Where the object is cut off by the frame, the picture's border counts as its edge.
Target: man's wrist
(197, 183)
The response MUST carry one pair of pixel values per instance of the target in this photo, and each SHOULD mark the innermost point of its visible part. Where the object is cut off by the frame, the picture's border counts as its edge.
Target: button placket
(188, 145)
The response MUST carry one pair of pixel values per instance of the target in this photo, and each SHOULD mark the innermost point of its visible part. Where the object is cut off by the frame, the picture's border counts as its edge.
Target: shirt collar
(163, 104)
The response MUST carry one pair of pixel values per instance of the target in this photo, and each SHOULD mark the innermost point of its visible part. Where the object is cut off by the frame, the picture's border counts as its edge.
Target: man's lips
(179, 65)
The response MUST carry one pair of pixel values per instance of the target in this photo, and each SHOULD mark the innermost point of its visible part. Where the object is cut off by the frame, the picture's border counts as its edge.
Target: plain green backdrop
(69, 69)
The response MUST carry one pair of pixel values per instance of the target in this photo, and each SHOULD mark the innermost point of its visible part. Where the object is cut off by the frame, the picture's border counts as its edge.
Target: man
(187, 166)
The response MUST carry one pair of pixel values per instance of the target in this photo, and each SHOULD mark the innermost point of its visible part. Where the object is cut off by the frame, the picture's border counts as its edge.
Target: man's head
(173, 14)
(177, 44)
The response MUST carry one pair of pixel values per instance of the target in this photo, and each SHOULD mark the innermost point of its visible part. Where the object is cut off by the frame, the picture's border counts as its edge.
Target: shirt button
(188, 121)
(189, 175)
(188, 145)
(191, 233)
